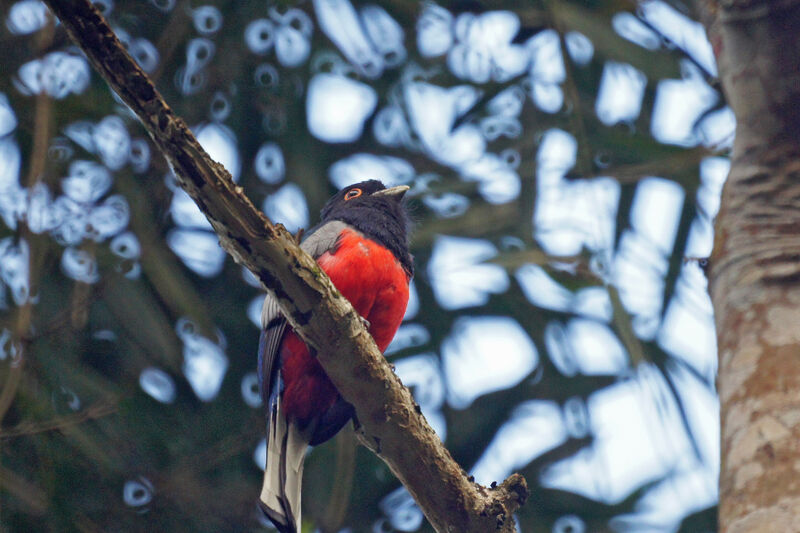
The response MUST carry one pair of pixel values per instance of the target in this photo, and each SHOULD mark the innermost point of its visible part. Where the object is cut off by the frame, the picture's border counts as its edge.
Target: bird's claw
(365, 322)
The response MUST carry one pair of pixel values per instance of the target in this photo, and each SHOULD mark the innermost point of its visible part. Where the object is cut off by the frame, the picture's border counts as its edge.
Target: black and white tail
(283, 476)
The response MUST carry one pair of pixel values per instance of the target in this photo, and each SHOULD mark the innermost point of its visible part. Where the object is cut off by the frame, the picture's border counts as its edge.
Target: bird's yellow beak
(394, 192)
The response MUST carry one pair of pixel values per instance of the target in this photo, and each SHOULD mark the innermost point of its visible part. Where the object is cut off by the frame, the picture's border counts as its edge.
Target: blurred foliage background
(565, 160)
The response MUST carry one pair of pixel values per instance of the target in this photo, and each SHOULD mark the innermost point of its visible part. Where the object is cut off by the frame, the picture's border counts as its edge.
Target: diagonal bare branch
(391, 424)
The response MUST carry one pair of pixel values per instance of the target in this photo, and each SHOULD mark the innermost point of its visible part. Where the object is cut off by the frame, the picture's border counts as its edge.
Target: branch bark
(390, 422)
(755, 266)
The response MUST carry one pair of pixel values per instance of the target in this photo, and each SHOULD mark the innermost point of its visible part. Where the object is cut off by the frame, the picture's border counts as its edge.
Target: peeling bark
(755, 266)
(390, 422)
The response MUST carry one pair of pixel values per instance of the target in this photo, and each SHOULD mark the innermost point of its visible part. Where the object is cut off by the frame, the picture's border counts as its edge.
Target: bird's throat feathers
(383, 219)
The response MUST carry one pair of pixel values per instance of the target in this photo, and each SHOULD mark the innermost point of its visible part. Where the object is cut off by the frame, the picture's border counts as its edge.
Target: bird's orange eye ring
(352, 193)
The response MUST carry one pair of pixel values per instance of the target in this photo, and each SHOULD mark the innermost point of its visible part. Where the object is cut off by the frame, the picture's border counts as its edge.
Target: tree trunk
(755, 266)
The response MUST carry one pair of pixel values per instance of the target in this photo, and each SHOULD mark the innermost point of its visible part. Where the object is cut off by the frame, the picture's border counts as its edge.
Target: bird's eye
(352, 193)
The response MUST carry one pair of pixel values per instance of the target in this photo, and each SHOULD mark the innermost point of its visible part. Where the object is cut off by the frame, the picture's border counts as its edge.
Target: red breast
(376, 284)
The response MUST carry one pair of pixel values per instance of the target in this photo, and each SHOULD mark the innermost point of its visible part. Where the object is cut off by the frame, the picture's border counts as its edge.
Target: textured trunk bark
(755, 267)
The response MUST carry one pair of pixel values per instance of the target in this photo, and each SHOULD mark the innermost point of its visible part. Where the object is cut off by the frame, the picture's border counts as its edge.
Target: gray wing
(323, 238)
(273, 323)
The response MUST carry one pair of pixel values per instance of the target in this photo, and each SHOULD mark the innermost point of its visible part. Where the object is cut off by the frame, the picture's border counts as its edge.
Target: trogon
(362, 245)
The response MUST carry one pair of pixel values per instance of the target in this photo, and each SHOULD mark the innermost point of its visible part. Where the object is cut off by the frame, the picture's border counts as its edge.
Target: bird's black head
(377, 212)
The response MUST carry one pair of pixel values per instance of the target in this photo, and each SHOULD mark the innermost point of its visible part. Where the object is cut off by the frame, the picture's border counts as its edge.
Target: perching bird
(362, 244)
